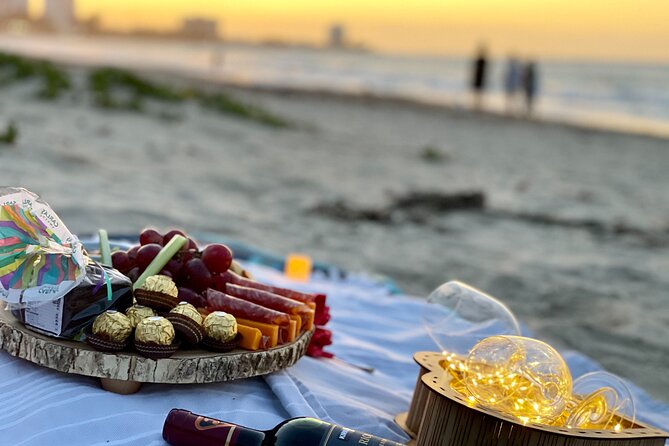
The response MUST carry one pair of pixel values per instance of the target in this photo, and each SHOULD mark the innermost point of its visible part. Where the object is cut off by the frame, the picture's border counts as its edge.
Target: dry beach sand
(568, 226)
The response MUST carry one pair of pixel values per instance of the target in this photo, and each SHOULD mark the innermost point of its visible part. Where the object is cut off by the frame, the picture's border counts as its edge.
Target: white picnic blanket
(372, 328)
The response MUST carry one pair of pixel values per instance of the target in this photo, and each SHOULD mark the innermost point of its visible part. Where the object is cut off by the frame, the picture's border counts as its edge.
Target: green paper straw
(164, 256)
(105, 250)
(110, 292)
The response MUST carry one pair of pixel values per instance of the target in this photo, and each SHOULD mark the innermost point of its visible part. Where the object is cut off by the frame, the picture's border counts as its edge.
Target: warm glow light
(631, 29)
(511, 363)
(298, 267)
(601, 409)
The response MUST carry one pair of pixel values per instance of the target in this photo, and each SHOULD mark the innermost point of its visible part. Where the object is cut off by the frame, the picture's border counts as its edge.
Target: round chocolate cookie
(158, 292)
(188, 329)
(156, 351)
(221, 347)
(220, 326)
(109, 332)
(138, 312)
(154, 338)
(156, 300)
(104, 344)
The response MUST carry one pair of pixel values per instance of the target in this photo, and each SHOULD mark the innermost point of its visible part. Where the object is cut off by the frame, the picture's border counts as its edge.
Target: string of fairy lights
(520, 376)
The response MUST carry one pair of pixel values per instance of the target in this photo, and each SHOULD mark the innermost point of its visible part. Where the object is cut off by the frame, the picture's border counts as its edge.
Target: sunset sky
(601, 29)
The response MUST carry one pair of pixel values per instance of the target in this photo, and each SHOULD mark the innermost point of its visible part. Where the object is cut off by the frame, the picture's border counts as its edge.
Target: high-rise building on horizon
(337, 35)
(13, 9)
(59, 15)
(199, 28)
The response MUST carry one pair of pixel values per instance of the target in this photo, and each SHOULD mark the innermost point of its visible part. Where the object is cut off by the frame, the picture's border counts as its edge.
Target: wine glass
(518, 376)
(457, 316)
(601, 401)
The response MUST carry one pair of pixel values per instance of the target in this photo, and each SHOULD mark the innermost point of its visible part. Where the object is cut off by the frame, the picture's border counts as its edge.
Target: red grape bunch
(193, 270)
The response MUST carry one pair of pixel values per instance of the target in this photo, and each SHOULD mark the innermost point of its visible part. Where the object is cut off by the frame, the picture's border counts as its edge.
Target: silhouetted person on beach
(479, 76)
(530, 85)
(216, 59)
(512, 83)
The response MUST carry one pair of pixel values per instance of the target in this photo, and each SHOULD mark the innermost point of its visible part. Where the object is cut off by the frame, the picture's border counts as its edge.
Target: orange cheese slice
(298, 322)
(308, 319)
(288, 333)
(250, 337)
(270, 330)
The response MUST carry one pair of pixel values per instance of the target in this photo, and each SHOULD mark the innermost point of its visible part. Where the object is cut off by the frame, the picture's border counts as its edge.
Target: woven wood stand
(410, 421)
(124, 372)
(440, 416)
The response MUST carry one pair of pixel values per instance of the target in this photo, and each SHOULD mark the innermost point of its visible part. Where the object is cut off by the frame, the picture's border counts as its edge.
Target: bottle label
(225, 430)
(341, 436)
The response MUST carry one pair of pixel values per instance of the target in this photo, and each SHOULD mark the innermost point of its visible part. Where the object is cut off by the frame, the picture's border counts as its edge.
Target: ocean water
(630, 96)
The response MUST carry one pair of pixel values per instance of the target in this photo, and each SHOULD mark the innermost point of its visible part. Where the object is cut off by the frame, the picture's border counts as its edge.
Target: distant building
(13, 9)
(90, 25)
(199, 28)
(59, 15)
(337, 36)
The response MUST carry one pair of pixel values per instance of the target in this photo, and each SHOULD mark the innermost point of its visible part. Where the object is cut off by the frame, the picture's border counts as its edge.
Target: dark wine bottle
(184, 428)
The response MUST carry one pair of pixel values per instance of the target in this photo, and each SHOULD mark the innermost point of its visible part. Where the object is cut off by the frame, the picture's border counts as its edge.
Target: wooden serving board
(124, 372)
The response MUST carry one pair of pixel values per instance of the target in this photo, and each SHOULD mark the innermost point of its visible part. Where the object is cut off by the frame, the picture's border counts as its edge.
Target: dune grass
(53, 81)
(113, 88)
(433, 154)
(10, 134)
(223, 103)
(118, 89)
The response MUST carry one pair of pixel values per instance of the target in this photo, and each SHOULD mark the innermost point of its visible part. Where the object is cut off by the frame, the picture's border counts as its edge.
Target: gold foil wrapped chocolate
(220, 326)
(155, 330)
(138, 312)
(161, 284)
(188, 310)
(113, 326)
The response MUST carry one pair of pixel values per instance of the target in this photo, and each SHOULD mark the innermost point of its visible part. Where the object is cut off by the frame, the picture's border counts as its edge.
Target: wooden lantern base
(440, 416)
(401, 420)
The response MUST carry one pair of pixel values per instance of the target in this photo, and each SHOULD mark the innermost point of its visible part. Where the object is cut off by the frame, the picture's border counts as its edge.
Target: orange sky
(602, 29)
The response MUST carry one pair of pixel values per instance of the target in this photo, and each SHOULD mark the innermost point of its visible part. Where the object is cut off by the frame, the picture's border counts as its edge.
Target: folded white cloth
(371, 328)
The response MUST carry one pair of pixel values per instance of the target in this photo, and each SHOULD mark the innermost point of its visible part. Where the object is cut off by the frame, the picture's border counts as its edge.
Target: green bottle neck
(247, 437)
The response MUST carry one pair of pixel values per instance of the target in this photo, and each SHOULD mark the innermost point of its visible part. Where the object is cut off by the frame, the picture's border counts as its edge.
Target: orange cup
(298, 267)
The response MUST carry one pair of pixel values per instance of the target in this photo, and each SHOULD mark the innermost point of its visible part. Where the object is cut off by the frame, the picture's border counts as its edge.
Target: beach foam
(627, 96)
